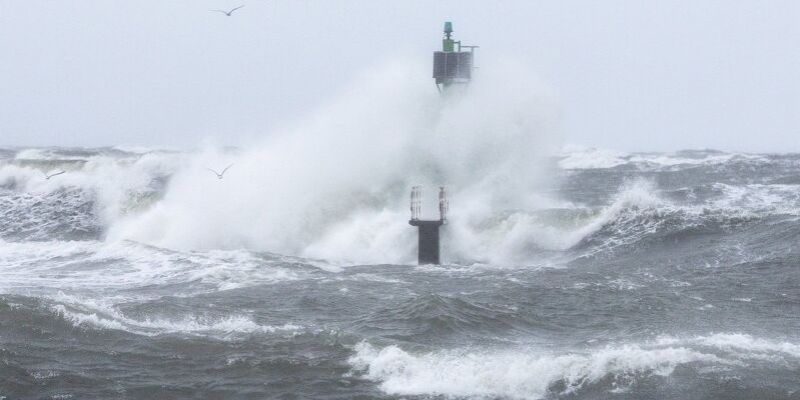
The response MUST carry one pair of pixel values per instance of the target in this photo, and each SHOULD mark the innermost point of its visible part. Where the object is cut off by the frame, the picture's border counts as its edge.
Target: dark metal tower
(452, 65)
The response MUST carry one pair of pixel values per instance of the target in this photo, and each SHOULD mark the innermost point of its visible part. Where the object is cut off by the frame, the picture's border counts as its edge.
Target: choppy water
(638, 276)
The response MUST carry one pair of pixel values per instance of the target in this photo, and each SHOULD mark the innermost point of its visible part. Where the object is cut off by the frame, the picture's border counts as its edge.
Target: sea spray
(335, 186)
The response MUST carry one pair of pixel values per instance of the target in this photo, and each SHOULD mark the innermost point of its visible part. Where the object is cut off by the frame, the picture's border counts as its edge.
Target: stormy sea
(567, 272)
(137, 274)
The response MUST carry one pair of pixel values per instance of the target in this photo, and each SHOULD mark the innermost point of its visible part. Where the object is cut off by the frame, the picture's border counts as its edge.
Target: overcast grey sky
(629, 75)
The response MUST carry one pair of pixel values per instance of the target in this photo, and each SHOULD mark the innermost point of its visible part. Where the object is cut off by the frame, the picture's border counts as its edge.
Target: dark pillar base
(428, 240)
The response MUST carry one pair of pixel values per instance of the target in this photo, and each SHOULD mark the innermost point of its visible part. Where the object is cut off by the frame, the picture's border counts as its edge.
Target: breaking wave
(95, 266)
(333, 186)
(531, 374)
(576, 158)
(136, 197)
(227, 326)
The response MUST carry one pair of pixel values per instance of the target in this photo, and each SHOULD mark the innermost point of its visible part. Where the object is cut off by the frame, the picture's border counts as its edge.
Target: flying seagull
(220, 174)
(228, 13)
(48, 176)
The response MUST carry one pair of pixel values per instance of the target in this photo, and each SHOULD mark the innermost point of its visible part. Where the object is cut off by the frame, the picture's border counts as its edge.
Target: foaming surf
(106, 317)
(335, 186)
(541, 373)
(139, 270)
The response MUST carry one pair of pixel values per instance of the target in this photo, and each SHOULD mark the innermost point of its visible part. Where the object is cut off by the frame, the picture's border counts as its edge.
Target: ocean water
(138, 274)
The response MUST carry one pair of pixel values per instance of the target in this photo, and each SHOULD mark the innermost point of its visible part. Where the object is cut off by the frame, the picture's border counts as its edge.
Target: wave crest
(527, 374)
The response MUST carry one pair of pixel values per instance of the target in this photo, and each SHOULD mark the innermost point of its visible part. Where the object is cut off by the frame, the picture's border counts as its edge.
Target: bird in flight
(48, 176)
(228, 13)
(220, 174)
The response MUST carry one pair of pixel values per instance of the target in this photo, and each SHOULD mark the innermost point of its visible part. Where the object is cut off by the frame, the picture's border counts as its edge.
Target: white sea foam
(512, 374)
(102, 314)
(742, 345)
(91, 319)
(531, 373)
(758, 198)
(711, 158)
(120, 184)
(632, 200)
(89, 265)
(33, 154)
(575, 157)
(109, 274)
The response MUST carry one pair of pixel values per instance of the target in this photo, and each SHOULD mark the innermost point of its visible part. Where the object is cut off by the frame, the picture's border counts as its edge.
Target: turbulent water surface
(139, 275)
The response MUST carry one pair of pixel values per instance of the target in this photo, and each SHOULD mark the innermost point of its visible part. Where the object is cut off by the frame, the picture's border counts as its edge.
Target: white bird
(220, 174)
(228, 13)
(48, 176)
